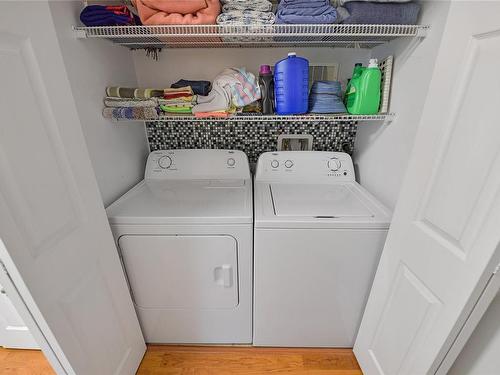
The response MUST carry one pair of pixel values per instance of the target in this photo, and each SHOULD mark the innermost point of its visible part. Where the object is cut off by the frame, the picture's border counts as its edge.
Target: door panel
(60, 251)
(445, 227)
(181, 272)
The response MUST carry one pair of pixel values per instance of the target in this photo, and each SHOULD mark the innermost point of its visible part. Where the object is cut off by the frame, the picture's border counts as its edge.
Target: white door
(13, 332)
(61, 255)
(446, 225)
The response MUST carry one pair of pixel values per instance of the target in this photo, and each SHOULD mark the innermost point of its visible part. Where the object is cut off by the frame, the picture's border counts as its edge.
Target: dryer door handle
(223, 275)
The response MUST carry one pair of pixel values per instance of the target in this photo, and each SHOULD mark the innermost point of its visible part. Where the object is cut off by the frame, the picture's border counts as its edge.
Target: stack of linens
(389, 12)
(326, 97)
(175, 12)
(246, 12)
(306, 12)
(178, 100)
(124, 103)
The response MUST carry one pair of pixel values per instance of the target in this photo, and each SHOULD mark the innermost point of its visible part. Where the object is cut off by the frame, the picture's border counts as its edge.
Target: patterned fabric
(252, 136)
(260, 5)
(130, 113)
(246, 17)
(246, 90)
(129, 92)
(128, 102)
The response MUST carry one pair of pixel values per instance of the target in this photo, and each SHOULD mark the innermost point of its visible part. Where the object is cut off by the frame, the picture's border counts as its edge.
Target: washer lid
(318, 201)
(185, 201)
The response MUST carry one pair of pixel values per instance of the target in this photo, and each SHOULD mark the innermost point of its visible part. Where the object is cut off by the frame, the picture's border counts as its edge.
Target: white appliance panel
(181, 272)
(321, 201)
(311, 285)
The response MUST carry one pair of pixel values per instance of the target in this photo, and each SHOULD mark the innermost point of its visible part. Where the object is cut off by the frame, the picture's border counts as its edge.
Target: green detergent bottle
(363, 91)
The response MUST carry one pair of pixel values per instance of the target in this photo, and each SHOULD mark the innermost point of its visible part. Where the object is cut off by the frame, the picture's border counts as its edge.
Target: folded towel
(306, 12)
(111, 15)
(246, 17)
(151, 13)
(325, 97)
(260, 5)
(128, 92)
(198, 87)
(342, 2)
(174, 109)
(128, 113)
(382, 13)
(128, 102)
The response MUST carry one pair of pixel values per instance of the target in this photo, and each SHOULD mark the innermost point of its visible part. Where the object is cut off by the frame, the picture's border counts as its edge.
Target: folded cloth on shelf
(325, 97)
(175, 109)
(233, 87)
(306, 12)
(246, 17)
(108, 15)
(342, 2)
(219, 114)
(130, 102)
(130, 113)
(198, 87)
(260, 5)
(174, 12)
(129, 92)
(382, 13)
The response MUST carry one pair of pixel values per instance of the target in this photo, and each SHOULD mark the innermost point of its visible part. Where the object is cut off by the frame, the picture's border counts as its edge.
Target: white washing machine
(185, 239)
(317, 242)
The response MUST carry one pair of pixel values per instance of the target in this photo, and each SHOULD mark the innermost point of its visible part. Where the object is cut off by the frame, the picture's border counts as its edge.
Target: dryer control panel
(197, 164)
(305, 166)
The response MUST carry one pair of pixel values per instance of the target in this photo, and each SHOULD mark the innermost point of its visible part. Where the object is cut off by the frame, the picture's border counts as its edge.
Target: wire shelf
(387, 117)
(220, 36)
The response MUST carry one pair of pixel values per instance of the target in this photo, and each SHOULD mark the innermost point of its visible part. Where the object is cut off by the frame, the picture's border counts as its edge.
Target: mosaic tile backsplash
(250, 136)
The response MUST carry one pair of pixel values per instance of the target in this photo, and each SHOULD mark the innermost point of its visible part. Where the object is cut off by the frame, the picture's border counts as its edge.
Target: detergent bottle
(363, 91)
(291, 85)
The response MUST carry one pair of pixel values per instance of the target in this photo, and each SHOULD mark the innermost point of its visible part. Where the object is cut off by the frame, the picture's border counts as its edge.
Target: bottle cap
(292, 54)
(373, 63)
(265, 69)
(358, 64)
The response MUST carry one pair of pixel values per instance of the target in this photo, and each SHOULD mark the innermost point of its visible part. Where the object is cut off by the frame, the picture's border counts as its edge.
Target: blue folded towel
(305, 12)
(325, 97)
(382, 13)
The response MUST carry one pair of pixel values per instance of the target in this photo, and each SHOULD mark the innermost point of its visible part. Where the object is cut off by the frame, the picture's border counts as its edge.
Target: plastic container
(291, 85)
(363, 91)
(266, 83)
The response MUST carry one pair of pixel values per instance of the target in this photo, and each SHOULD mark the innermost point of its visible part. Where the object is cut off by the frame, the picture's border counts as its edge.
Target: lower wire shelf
(387, 117)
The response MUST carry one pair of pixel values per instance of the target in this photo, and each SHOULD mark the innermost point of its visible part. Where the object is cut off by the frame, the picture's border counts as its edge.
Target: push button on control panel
(289, 164)
(165, 162)
(231, 162)
(275, 164)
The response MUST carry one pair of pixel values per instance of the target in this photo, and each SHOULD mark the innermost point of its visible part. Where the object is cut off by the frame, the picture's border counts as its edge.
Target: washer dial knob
(289, 164)
(334, 164)
(231, 162)
(275, 164)
(165, 162)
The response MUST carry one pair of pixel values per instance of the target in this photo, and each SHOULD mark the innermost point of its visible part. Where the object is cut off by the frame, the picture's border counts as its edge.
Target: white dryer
(317, 242)
(184, 235)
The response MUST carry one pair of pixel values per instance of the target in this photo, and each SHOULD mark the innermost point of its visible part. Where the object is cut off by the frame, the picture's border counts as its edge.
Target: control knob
(275, 164)
(165, 162)
(334, 164)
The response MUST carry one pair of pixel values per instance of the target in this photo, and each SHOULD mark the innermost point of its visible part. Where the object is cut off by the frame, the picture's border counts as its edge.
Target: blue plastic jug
(291, 85)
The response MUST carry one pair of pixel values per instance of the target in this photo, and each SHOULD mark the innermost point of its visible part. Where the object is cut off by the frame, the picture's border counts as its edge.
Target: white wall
(206, 63)
(118, 150)
(481, 354)
(382, 151)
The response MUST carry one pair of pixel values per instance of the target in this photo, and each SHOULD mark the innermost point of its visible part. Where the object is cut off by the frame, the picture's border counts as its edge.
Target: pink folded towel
(176, 12)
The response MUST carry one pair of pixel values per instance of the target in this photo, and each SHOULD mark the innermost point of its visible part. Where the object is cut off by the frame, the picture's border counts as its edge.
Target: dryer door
(181, 272)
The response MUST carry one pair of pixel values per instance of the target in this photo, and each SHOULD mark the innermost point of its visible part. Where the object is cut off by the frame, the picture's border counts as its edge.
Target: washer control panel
(305, 166)
(197, 164)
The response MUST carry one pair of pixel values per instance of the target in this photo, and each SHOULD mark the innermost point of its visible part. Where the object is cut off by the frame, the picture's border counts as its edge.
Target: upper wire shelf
(219, 36)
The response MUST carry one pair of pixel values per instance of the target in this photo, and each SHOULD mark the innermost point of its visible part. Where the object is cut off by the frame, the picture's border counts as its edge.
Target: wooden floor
(205, 360)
